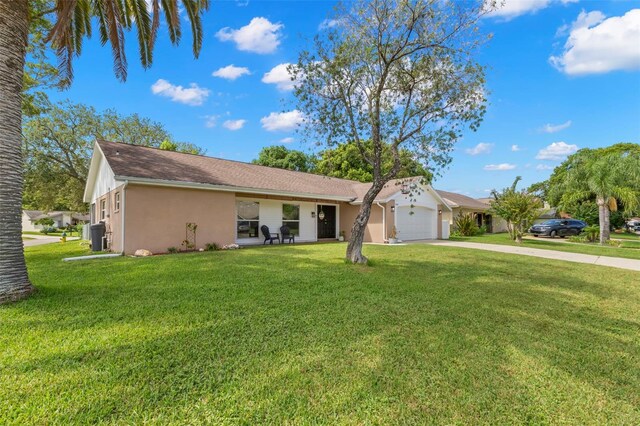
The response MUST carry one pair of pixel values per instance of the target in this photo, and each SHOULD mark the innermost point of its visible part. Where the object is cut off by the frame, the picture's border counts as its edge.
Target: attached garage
(417, 223)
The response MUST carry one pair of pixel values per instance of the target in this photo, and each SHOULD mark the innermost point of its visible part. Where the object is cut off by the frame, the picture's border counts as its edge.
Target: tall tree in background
(57, 146)
(281, 157)
(398, 73)
(345, 161)
(72, 22)
(609, 177)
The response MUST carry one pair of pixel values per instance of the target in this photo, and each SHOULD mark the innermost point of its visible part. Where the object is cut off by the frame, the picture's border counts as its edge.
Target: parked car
(558, 228)
(633, 226)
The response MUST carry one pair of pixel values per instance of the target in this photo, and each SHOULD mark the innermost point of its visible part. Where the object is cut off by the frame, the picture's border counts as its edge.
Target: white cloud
(231, 72)
(553, 128)
(328, 23)
(280, 76)
(282, 121)
(234, 124)
(286, 140)
(515, 148)
(481, 148)
(544, 167)
(211, 121)
(597, 45)
(500, 167)
(192, 95)
(509, 9)
(556, 151)
(258, 36)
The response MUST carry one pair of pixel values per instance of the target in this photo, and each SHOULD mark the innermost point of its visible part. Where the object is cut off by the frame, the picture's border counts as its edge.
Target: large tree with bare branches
(73, 22)
(398, 73)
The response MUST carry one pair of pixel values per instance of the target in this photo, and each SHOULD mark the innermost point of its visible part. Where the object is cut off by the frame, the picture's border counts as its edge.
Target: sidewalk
(614, 262)
(37, 240)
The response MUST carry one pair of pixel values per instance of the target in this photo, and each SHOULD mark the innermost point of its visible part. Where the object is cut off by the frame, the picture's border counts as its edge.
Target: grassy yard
(626, 236)
(292, 334)
(629, 249)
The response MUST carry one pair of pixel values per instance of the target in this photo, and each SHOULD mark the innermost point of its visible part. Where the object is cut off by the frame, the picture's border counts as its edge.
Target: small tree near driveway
(518, 208)
(393, 74)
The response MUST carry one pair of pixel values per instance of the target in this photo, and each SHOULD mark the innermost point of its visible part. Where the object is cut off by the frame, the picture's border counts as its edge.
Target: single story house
(60, 219)
(147, 197)
(461, 204)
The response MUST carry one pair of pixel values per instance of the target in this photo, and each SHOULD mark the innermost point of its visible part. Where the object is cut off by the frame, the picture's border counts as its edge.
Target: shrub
(591, 233)
(578, 239)
(211, 247)
(48, 230)
(172, 250)
(465, 224)
(482, 230)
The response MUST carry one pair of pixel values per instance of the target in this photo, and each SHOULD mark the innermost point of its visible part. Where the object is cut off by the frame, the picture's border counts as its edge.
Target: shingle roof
(458, 200)
(134, 161)
(32, 213)
(151, 163)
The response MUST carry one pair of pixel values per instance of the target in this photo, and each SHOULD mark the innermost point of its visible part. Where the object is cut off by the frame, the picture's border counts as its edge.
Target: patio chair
(286, 234)
(268, 236)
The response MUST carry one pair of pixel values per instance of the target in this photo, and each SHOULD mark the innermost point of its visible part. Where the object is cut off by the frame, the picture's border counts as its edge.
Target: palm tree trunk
(606, 232)
(14, 27)
(601, 219)
(354, 248)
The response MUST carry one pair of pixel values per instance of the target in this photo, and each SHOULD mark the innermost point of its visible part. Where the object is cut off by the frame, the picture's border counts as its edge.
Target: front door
(326, 217)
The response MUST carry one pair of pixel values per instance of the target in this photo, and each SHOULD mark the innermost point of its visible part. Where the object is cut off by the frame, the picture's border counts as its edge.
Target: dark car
(558, 228)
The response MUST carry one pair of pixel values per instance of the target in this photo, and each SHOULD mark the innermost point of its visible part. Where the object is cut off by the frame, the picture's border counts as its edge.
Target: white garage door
(416, 226)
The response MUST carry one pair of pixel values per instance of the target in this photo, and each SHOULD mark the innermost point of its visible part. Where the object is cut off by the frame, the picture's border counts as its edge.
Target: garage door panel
(414, 223)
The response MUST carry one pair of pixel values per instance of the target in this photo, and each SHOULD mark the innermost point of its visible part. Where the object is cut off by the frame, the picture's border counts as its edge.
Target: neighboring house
(60, 219)
(461, 204)
(146, 197)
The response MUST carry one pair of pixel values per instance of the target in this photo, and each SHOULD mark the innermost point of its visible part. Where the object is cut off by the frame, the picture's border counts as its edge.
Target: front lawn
(292, 334)
(629, 249)
(625, 236)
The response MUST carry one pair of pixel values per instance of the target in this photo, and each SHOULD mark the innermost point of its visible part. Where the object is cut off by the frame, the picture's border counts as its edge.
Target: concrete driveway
(614, 262)
(38, 240)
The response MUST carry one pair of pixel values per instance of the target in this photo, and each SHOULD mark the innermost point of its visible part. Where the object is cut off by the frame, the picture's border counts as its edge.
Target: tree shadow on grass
(418, 337)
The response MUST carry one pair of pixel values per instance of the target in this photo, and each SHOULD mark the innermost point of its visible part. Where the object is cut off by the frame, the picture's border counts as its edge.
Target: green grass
(625, 236)
(292, 334)
(27, 238)
(629, 249)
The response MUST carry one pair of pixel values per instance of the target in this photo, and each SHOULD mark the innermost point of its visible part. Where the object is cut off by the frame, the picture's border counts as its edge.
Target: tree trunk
(354, 248)
(605, 233)
(603, 220)
(14, 27)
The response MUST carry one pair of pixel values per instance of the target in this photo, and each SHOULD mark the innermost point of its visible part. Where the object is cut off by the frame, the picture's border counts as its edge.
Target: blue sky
(563, 75)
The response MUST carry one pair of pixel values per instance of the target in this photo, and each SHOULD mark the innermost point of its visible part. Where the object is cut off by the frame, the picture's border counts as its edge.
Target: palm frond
(61, 38)
(116, 38)
(138, 10)
(192, 8)
(74, 19)
(172, 16)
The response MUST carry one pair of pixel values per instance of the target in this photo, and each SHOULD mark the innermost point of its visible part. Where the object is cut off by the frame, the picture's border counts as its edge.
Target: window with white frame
(291, 218)
(248, 219)
(103, 209)
(116, 202)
